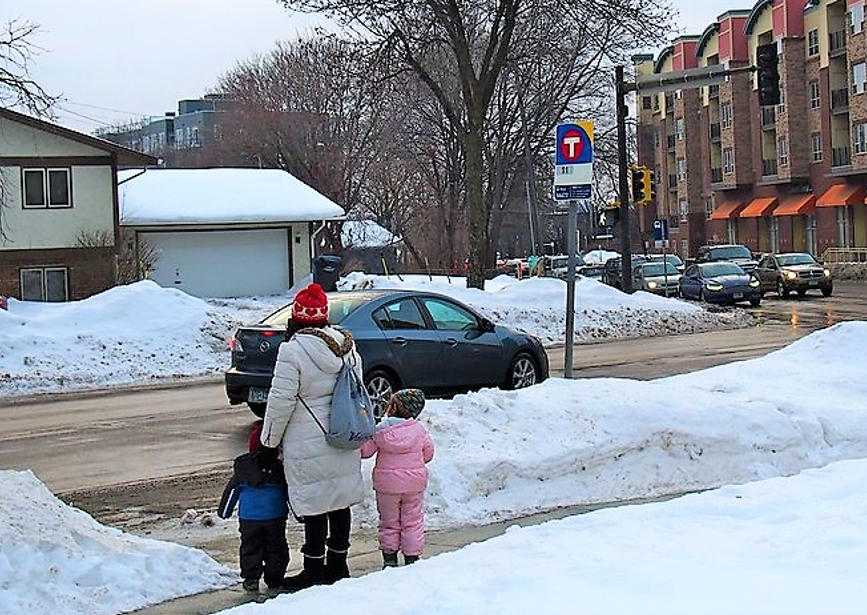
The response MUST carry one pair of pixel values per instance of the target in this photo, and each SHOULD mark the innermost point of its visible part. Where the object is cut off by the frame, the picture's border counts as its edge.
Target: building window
(708, 207)
(856, 18)
(732, 231)
(728, 161)
(681, 169)
(859, 77)
(783, 151)
(646, 103)
(810, 226)
(683, 209)
(725, 115)
(47, 188)
(813, 42)
(843, 227)
(44, 284)
(781, 108)
(816, 146)
(815, 95)
(684, 248)
(859, 138)
(774, 233)
(678, 128)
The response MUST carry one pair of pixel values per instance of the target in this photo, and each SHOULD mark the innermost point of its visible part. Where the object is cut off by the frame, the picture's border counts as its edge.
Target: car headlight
(790, 275)
(827, 273)
(755, 283)
(652, 285)
(714, 286)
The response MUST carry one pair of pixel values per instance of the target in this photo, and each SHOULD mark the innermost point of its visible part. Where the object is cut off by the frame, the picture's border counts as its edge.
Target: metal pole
(570, 287)
(623, 163)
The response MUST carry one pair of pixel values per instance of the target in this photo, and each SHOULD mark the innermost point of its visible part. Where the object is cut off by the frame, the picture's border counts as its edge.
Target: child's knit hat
(408, 403)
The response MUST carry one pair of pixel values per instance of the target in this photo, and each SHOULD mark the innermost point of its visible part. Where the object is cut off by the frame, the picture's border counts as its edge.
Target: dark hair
(293, 327)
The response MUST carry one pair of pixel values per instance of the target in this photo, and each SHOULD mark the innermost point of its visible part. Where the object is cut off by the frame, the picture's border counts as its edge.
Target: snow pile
(57, 559)
(144, 333)
(599, 257)
(793, 546)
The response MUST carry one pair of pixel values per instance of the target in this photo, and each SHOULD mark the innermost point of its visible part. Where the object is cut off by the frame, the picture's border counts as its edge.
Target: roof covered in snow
(218, 197)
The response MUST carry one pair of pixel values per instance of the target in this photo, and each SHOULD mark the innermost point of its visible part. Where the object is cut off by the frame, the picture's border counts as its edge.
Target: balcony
(715, 132)
(837, 43)
(840, 100)
(841, 157)
(769, 167)
(713, 91)
(769, 118)
(672, 182)
(670, 141)
(716, 175)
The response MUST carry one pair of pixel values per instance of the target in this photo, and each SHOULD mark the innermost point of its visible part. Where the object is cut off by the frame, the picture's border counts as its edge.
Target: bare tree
(462, 51)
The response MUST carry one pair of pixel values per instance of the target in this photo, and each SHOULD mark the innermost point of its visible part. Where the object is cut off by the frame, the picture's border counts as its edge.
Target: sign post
(573, 178)
(660, 240)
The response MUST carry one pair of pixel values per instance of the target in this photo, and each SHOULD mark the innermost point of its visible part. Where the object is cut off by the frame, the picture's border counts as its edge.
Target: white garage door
(222, 263)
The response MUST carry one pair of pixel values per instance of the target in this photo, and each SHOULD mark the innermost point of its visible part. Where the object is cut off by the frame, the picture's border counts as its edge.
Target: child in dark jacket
(402, 447)
(260, 491)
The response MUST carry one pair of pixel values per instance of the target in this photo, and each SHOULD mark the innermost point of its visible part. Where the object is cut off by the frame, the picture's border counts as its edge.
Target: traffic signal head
(767, 64)
(642, 185)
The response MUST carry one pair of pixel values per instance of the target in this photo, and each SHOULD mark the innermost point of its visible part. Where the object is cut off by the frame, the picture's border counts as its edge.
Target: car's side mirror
(486, 325)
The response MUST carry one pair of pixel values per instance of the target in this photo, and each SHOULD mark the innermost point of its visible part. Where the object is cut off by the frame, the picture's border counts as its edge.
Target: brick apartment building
(789, 177)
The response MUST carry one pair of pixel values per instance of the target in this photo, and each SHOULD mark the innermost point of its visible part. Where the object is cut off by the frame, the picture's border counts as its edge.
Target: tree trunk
(473, 150)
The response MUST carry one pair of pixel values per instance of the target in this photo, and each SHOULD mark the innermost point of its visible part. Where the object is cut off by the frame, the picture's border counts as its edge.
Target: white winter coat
(320, 478)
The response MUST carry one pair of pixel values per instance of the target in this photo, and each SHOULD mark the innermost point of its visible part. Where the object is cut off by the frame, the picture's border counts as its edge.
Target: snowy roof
(367, 234)
(219, 196)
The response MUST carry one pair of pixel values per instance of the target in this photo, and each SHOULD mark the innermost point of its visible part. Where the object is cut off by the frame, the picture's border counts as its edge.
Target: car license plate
(738, 295)
(814, 282)
(257, 396)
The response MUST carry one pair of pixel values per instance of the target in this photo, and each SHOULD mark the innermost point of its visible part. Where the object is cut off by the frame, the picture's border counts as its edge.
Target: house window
(783, 151)
(815, 95)
(859, 138)
(47, 188)
(813, 42)
(44, 284)
(859, 77)
(856, 18)
(681, 169)
(728, 161)
(725, 115)
(816, 144)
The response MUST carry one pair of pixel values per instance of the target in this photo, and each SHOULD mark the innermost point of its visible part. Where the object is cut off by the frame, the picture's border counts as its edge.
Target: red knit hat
(311, 306)
(253, 442)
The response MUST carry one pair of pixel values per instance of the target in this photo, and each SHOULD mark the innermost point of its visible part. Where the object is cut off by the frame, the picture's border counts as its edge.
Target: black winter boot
(336, 567)
(409, 559)
(313, 574)
(389, 559)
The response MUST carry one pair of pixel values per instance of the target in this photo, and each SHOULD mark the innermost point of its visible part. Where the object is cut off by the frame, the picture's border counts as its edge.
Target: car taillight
(235, 344)
(270, 333)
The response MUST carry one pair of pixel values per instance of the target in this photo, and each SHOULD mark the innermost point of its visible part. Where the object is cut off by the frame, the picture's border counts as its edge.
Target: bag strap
(318, 422)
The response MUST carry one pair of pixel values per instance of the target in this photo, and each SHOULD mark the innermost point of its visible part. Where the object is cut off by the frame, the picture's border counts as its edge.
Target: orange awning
(801, 205)
(759, 207)
(840, 195)
(727, 210)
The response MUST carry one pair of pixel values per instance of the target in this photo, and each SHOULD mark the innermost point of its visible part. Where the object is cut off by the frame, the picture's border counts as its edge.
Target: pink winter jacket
(403, 450)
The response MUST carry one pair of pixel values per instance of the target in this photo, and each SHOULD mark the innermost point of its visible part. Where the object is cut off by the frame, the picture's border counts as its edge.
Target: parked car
(656, 276)
(793, 271)
(612, 270)
(674, 259)
(733, 253)
(406, 339)
(558, 265)
(720, 283)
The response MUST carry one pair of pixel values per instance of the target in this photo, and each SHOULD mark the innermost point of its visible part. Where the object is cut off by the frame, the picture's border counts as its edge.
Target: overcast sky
(115, 60)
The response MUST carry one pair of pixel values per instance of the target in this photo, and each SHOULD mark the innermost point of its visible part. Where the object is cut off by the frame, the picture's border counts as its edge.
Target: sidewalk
(364, 559)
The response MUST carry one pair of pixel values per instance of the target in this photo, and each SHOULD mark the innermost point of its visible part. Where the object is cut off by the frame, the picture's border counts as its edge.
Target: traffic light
(642, 185)
(610, 214)
(767, 64)
(650, 176)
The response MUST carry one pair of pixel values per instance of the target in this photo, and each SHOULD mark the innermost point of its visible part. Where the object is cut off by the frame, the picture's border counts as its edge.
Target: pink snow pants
(401, 522)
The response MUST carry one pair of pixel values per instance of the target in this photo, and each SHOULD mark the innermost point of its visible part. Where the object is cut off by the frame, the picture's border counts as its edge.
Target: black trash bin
(326, 271)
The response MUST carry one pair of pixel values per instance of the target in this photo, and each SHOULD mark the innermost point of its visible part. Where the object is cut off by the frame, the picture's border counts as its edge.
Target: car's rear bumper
(238, 384)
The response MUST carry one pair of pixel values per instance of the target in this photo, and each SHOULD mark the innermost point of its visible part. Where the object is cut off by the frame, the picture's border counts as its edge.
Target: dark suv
(733, 253)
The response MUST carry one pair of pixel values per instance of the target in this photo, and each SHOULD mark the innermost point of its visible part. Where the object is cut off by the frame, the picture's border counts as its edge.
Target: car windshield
(731, 252)
(796, 259)
(658, 269)
(561, 262)
(717, 269)
(338, 309)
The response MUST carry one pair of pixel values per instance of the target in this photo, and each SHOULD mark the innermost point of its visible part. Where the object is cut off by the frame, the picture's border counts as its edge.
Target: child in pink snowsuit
(400, 476)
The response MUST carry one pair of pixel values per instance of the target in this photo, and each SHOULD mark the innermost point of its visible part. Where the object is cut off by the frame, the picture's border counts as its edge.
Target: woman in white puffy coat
(323, 481)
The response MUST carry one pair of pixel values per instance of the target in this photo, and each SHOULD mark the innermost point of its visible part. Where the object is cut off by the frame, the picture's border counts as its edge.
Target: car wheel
(826, 292)
(755, 302)
(781, 289)
(802, 292)
(523, 372)
(258, 409)
(380, 385)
